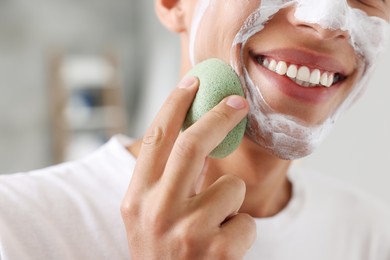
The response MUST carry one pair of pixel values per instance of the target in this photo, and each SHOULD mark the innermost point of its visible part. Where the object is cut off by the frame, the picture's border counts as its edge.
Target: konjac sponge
(217, 81)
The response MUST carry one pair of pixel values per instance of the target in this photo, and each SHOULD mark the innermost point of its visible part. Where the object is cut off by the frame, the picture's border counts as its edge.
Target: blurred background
(73, 73)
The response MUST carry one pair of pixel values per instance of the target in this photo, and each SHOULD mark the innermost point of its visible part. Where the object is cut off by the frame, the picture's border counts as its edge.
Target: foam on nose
(327, 13)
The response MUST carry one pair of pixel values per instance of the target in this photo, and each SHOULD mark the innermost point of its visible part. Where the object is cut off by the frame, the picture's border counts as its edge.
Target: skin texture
(181, 204)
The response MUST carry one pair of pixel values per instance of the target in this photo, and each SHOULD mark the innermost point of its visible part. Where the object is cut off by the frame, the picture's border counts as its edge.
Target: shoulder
(111, 158)
(65, 205)
(107, 170)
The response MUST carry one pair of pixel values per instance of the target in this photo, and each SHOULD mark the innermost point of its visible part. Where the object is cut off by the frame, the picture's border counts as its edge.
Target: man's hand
(164, 216)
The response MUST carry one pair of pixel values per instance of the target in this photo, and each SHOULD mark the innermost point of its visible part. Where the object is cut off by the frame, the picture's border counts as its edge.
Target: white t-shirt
(71, 211)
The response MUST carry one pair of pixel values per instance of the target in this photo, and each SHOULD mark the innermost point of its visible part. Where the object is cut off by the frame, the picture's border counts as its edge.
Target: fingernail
(187, 82)
(235, 102)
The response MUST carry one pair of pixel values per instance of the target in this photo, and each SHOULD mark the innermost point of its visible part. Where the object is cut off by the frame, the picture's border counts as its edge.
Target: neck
(268, 190)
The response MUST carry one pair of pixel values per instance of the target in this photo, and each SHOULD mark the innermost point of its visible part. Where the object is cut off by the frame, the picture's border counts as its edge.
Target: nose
(315, 29)
(322, 33)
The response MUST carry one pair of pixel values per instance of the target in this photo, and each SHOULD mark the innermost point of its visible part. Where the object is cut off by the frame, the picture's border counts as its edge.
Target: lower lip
(313, 95)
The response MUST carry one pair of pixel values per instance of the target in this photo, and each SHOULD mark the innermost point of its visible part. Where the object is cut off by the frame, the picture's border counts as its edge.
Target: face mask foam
(284, 135)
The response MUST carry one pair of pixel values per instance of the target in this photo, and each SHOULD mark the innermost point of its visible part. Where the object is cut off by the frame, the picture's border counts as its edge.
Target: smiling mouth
(301, 75)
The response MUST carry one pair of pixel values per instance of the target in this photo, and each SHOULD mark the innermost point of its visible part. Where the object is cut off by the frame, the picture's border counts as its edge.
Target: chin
(283, 137)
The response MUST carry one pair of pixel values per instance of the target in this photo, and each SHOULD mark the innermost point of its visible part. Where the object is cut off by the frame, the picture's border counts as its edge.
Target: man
(181, 204)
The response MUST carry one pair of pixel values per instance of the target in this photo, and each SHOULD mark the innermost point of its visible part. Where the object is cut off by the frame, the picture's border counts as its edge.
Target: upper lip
(306, 58)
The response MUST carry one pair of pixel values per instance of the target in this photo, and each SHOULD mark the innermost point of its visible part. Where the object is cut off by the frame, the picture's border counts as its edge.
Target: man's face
(297, 69)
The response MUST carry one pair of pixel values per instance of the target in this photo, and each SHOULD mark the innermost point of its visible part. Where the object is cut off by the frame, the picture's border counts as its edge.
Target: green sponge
(217, 81)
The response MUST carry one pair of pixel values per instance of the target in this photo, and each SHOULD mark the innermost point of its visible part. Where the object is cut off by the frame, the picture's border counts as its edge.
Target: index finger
(195, 144)
(161, 135)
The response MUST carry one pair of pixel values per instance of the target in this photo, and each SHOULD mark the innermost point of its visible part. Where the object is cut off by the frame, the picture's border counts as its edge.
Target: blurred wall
(32, 31)
(356, 151)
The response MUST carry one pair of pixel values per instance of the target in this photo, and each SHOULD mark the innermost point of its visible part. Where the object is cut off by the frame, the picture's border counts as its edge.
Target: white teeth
(315, 77)
(272, 65)
(281, 68)
(324, 79)
(304, 84)
(301, 75)
(292, 71)
(266, 63)
(330, 80)
(300, 82)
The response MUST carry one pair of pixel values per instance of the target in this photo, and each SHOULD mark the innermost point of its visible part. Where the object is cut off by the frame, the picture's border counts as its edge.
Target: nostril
(326, 33)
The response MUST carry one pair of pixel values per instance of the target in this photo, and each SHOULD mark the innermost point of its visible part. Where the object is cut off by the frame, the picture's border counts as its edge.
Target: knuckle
(234, 181)
(187, 146)
(127, 208)
(248, 221)
(154, 136)
(220, 250)
(130, 212)
(188, 236)
(148, 213)
(158, 221)
(157, 226)
(248, 226)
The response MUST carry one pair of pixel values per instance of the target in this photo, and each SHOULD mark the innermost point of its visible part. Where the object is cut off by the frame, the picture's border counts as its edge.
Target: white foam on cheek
(256, 21)
(283, 135)
(199, 13)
